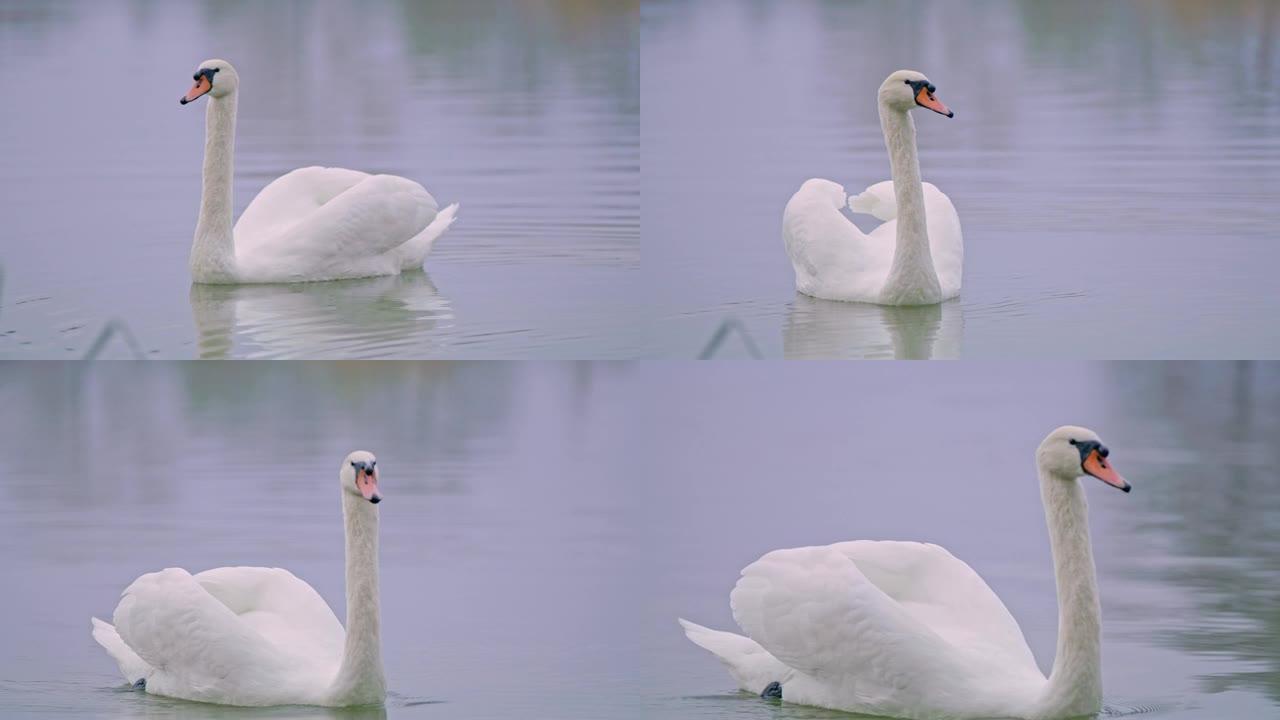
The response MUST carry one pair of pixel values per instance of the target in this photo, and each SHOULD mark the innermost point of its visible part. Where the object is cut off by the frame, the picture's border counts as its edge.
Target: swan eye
(906, 82)
(1072, 441)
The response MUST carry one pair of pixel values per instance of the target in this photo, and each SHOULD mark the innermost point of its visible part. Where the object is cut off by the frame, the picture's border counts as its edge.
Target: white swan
(904, 629)
(916, 256)
(259, 636)
(313, 223)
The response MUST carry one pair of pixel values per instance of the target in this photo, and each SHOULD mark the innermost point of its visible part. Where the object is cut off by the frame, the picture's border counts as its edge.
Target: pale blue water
(742, 459)
(525, 113)
(505, 527)
(1115, 168)
(544, 525)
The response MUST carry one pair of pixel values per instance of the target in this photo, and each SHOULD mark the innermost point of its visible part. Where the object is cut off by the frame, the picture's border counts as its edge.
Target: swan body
(905, 629)
(255, 636)
(915, 257)
(311, 224)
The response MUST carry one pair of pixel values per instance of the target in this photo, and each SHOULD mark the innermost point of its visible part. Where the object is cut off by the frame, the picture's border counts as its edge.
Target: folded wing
(281, 608)
(880, 622)
(224, 636)
(322, 220)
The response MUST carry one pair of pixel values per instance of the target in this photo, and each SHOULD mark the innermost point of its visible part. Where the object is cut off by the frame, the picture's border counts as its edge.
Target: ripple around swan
(377, 317)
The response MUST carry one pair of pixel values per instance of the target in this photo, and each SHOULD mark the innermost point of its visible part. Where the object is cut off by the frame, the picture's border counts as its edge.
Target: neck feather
(360, 680)
(213, 252)
(912, 278)
(1075, 685)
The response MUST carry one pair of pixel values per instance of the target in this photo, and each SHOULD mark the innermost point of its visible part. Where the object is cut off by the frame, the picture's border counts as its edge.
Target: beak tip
(182, 101)
(951, 113)
(378, 498)
(1127, 487)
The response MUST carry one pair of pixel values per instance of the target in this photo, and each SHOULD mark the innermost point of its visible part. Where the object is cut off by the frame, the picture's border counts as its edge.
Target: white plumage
(904, 629)
(311, 224)
(257, 636)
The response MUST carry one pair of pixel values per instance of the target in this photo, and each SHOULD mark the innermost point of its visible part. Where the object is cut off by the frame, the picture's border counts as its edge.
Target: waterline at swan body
(311, 224)
(259, 636)
(904, 629)
(916, 257)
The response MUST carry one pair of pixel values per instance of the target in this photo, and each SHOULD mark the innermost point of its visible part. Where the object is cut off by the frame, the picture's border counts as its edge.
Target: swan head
(908, 89)
(359, 476)
(215, 78)
(1071, 452)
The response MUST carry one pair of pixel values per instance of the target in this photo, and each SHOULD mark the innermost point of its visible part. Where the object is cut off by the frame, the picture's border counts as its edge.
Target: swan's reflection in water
(141, 704)
(818, 329)
(371, 317)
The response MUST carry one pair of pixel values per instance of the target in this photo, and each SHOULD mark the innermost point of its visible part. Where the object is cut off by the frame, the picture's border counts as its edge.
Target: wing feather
(944, 593)
(197, 647)
(286, 611)
(820, 611)
(234, 636)
(832, 258)
(329, 223)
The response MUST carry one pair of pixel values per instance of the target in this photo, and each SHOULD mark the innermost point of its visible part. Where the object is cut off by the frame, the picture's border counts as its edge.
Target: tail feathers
(415, 251)
(751, 666)
(132, 667)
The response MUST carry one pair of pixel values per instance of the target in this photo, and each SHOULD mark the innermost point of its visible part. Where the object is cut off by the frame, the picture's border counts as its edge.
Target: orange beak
(201, 87)
(1097, 466)
(367, 481)
(924, 98)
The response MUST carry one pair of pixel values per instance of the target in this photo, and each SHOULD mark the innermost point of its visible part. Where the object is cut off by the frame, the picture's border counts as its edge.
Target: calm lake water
(747, 459)
(506, 533)
(1115, 167)
(526, 113)
(545, 524)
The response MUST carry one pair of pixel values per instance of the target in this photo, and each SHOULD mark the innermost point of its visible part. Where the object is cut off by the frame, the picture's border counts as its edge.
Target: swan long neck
(912, 278)
(360, 680)
(1075, 684)
(213, 252)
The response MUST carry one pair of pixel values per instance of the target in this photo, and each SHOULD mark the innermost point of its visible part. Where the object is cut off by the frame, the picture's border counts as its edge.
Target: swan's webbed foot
(772, 691)
(141, 684)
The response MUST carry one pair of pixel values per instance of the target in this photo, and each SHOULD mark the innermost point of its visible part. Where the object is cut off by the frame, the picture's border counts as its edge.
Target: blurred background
(526, 113)
(746, 459)
(1115, 167)
(506, 527)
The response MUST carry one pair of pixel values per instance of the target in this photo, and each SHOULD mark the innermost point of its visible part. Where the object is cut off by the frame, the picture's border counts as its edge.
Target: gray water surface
(504, 528)
(747, 458)
(544, 525)
(526, 113)
(1115, 167)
